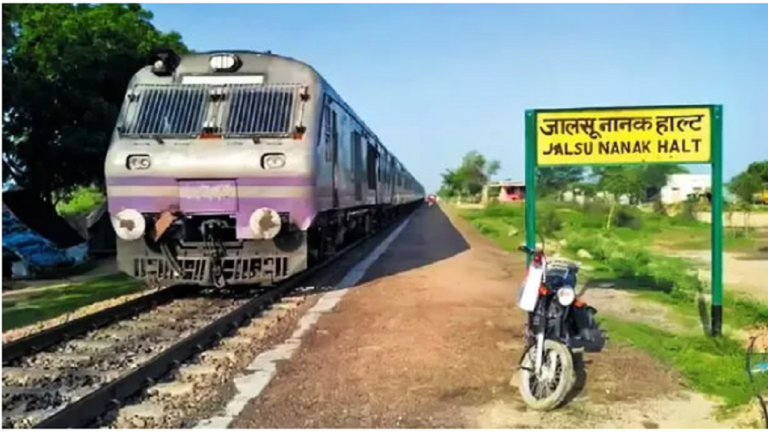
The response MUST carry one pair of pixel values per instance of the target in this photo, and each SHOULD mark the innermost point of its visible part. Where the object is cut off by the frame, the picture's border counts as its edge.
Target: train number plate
(208, 196)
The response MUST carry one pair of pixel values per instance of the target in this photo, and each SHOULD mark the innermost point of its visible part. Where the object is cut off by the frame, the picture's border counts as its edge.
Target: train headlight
(137, 162)
(224, 62)
(273, 161)
(566, 295)
(164, 62)
(129, 224)
(265, 223)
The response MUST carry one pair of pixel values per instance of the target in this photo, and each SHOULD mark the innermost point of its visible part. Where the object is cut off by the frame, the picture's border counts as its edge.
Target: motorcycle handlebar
(526, 249)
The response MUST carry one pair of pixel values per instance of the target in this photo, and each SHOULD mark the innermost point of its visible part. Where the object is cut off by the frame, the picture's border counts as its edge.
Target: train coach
(240, 167)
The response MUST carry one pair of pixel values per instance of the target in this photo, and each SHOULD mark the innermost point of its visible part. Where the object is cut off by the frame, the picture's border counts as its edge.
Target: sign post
(630, 135)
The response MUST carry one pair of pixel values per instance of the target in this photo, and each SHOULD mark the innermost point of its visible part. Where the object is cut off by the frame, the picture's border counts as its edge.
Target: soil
(627, 306)
(430, 338)
(744, 272)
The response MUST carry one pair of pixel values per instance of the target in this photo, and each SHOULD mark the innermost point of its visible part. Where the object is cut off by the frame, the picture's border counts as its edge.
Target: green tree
(450, 186)
(557, 179)
(469, 178)
(654, 177)
(65, 71)
(745, 186)
(619, 181)
(759, 169)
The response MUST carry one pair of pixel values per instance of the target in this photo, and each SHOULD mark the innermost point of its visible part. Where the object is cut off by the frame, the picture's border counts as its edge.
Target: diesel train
(241, 167)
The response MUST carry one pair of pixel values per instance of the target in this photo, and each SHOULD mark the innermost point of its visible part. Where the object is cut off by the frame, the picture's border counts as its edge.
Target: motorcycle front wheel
(548, 389)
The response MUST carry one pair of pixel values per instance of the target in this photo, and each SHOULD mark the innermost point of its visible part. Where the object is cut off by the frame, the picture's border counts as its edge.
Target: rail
(84, 412)
(39, 341)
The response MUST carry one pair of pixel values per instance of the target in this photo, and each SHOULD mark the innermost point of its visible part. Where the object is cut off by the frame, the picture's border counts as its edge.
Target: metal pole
(530, 179)
(717, 220)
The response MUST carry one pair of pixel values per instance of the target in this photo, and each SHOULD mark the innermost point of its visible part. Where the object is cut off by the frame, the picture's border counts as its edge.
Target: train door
(335, 183)
(371, 157)
(357, 165)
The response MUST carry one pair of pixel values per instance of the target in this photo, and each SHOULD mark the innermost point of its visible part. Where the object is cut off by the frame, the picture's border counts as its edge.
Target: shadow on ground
(627, 284)
(429, 237)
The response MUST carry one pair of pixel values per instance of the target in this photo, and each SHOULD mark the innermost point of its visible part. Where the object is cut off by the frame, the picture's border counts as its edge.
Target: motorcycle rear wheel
(549, 390)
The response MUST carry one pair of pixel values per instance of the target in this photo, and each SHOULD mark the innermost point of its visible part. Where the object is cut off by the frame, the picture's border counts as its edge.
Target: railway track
(73, 374)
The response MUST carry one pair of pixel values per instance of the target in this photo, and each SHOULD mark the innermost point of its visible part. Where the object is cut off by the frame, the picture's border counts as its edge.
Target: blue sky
(435, 81)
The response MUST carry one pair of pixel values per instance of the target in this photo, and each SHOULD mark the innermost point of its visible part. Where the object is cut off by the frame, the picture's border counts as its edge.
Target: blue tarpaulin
(33, 250)
(35, 238)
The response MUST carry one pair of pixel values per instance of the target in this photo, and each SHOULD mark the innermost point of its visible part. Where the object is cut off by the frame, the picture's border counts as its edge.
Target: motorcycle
(559, 325)
(431, 200)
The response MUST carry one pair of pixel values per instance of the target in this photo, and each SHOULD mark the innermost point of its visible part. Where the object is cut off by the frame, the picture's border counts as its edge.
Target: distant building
(680, 187)
(504, 191)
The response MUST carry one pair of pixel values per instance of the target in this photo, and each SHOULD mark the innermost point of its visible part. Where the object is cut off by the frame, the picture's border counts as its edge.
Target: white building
(680, 186)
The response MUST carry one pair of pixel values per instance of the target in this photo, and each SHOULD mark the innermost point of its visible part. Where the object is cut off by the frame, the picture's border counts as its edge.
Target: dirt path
(742, 272)
(428, 338)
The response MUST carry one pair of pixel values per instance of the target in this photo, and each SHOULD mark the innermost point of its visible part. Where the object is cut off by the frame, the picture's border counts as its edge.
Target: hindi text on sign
(623, 136)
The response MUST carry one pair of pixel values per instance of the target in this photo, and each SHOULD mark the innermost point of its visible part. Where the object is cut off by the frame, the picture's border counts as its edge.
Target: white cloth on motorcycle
(529, 291)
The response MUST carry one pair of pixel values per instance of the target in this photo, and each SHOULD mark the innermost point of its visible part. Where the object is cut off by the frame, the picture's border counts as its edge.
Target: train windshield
(260, 110)
(188, 110)
(165, 110)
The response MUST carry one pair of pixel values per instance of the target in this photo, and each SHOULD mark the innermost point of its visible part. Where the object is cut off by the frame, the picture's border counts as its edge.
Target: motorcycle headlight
(566, 296)
(273, 161)
(138, 162)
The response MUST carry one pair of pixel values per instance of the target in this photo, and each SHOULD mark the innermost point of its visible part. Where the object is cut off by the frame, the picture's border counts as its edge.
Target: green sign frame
(716, 163)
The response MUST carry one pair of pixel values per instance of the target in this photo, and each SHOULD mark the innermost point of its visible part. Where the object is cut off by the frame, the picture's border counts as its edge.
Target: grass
(23, 309)
(83, 200)
(502, 223)
(713, 366)
(556, 219)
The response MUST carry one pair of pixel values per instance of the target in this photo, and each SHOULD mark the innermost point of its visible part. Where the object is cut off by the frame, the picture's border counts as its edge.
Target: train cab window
(169, 111)
(260, 111)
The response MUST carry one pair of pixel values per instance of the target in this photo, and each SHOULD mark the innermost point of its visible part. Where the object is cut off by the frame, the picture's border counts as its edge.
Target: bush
(495, 209)
(626, 261)
(83, 200)
(596, 208)
(549, 221)
(628, 218)
(485, 228)
(688, 210)
(600, 246)
(633, 262)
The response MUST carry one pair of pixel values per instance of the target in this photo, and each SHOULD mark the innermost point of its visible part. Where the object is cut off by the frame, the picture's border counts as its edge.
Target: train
(241, 167)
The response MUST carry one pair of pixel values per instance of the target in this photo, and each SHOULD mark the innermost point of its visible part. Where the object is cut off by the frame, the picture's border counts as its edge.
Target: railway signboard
(631, 135)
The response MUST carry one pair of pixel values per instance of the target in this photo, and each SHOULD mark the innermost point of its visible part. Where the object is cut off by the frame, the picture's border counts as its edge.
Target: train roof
(324, 81)
(322, 78)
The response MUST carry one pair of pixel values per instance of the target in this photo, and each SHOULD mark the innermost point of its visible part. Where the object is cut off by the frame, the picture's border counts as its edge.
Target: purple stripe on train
(143, 204)
(242, 181)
